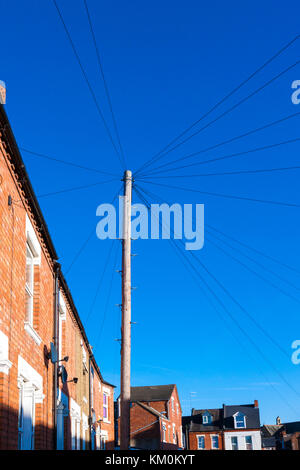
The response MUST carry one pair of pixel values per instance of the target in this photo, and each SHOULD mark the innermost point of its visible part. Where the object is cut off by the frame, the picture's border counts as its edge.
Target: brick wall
(146, 428)
(26, 373)
(13, 312)
(193, 440)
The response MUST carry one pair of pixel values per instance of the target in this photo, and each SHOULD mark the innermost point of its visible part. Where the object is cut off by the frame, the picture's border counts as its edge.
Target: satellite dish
(64, 374)
(53, 353)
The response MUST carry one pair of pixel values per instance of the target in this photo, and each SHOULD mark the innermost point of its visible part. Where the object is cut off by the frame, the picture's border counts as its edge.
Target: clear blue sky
(166, 63)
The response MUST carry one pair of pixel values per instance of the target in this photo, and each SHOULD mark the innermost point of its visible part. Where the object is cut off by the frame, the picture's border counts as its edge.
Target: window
(234, 443)
(214, 442)
(29, 285)
(239, 420)
(206, 418)
(201, 442)
(105, 406)
(172, 404)
(33, 258)
(92, 387)
(174, 434)
(83, 355)
(177, 409)
(249, 445)
(164, 432)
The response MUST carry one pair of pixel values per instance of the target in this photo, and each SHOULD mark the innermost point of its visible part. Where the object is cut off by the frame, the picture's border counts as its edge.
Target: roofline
(152, 411)
(81, 327)
(34, 204)
(25, 181)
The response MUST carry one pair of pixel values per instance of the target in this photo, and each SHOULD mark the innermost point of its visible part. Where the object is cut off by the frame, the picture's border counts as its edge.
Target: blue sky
(166, 63)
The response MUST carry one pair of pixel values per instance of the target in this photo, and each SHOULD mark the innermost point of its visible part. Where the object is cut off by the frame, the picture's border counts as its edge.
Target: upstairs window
(239, 420)
(164, 432)
(29, 284)
(92, 387)
(206, 418)
(105, 406)
(172, 404)
(33, 259)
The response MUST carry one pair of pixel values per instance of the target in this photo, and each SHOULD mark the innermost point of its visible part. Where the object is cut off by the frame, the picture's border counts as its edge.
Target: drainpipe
(55, 340)
(187, 444)
(90, 400)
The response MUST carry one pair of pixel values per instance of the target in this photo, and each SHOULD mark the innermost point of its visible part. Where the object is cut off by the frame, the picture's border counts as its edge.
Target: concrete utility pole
(126, 315)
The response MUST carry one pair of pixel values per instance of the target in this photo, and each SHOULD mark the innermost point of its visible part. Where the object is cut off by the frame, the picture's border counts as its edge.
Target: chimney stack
(255, 403)
(278, 420)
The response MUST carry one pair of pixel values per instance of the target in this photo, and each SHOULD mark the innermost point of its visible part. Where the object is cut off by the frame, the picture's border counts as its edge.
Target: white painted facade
(75, 415)
(30, 385)
(241, 439)
(5, 363)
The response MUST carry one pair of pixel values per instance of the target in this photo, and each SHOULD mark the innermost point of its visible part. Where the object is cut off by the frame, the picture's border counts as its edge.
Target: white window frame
(92, 372)
(30, 384)
(172, 404)
(174, 433)
(212, 446)
(235, 423)
(5, 363)
(106, 406)
(34, 248)
(75, 414)
(237, 442)
(203, 436)
(29, 286)
(251, 442)
(206, 418)
(164, 430)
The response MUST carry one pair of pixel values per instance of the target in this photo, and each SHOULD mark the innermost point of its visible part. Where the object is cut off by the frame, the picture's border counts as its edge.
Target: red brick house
(232, 427)
(204, 429)
(281, 436)
(155, 418)
(102, 411)
(45, 399)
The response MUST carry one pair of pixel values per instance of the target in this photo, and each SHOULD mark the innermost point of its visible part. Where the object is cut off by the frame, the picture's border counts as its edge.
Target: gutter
(80, 325)
(55, 340)
(17, 161)
(90, 404)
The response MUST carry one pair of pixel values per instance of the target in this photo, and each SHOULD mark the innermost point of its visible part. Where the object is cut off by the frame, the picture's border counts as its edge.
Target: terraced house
(234, 427)
(48, 374)
(155, 418)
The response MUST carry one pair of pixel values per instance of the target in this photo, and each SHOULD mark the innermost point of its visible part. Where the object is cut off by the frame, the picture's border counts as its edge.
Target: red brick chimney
(255, 403)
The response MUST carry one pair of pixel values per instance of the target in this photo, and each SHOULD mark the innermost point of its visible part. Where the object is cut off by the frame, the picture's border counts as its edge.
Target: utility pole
(126, 315)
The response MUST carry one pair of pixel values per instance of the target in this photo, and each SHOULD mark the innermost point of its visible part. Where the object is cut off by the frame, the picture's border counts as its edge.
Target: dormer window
(239, 420)
(206, 418)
